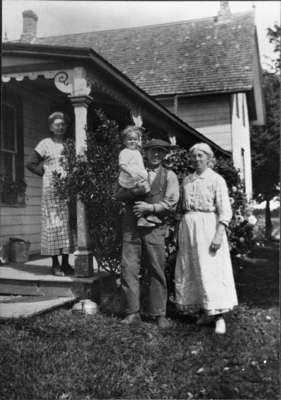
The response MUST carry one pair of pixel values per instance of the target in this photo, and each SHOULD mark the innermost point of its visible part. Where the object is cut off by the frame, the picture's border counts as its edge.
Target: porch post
(83, 257)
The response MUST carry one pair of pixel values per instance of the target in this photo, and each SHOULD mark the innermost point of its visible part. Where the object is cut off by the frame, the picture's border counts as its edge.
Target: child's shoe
(154, 219)
(142, 222)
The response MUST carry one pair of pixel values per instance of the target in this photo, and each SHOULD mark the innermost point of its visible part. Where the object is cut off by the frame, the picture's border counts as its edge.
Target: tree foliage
(274, 35)
(265, 140)
(92, 178)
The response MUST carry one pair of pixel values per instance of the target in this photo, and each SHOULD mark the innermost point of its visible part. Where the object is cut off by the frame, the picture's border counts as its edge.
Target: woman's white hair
(207, 150)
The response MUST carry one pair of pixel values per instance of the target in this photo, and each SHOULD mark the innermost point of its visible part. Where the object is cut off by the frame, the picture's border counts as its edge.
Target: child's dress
(132, 159)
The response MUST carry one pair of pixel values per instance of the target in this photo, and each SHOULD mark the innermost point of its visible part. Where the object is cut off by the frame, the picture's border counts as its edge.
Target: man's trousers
(145, 245)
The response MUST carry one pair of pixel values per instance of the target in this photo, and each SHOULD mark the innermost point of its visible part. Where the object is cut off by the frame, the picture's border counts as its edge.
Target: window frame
(15, 151)
(12, 99)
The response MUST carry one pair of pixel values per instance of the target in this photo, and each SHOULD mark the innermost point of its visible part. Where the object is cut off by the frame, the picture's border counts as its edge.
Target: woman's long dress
(55, 228)
(204, 279)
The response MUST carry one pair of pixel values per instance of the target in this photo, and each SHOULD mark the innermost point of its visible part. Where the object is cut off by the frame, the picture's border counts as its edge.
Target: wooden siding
(25, 222)
(210, 115)
(224, 119)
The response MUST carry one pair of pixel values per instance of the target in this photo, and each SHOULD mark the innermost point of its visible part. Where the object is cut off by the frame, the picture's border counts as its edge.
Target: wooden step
(28, 306)
(34, 278)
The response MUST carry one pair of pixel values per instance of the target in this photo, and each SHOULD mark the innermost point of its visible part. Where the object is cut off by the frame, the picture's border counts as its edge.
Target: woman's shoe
(56, 270)
(220, 326)
(67, 269)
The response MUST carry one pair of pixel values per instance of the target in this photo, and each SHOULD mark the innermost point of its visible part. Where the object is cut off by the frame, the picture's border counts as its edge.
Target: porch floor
(38, 269)
(29, 288)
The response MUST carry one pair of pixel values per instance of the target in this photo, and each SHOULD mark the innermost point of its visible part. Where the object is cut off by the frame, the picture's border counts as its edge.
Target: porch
(38, 80)
(29, 288)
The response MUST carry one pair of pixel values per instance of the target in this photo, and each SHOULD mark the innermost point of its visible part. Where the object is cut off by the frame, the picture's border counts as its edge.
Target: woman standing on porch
(55, 229)
(203, 275)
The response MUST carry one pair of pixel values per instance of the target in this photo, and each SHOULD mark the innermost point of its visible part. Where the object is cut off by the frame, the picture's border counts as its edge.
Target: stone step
(28, 306)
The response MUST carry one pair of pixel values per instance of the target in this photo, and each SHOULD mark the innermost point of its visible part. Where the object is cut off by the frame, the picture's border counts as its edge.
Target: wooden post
(83, 257)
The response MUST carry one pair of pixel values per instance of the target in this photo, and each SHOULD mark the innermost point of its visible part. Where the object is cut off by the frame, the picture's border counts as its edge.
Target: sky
(63, 17)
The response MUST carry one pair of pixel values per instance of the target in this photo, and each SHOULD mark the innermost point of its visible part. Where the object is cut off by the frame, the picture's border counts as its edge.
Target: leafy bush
(92, 178)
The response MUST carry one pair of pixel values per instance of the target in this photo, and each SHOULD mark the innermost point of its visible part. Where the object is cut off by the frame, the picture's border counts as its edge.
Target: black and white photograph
(140, 200)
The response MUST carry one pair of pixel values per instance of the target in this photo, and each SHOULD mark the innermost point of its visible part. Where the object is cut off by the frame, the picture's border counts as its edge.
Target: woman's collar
(204, 174)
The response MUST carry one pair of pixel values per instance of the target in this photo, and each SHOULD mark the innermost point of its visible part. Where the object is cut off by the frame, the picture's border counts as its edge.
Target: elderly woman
(203, 275)
(55, 230)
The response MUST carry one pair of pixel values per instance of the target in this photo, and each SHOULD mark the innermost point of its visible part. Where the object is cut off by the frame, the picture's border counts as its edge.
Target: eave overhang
(88, 57)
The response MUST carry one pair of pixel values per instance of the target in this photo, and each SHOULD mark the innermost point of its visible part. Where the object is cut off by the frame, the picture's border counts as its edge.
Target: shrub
(92, 178)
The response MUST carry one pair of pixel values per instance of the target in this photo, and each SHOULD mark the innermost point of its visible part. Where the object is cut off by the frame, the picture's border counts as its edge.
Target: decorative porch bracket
(80, 99)
(136, 117)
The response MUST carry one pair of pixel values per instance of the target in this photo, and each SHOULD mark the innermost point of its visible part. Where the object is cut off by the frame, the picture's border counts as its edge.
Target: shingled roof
(195, 56)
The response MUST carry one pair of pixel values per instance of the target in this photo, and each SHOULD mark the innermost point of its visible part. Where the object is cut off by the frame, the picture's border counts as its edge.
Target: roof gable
(196, 56)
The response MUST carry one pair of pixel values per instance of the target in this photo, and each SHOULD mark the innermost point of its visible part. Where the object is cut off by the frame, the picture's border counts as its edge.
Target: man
(148, 243)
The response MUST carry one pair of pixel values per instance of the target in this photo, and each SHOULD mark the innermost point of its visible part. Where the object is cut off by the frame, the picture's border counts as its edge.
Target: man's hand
(141, 207)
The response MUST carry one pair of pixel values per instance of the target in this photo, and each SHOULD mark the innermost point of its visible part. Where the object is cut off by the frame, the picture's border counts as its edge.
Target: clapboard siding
(210, 115)
(9, 220)
(33, 201)
(25, 222)
(34, 240)
(13, 211)
(20, 230)
(33, 191)
(33, 180)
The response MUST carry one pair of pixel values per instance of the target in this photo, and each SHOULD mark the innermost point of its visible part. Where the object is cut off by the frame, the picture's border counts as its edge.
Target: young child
(133, 176)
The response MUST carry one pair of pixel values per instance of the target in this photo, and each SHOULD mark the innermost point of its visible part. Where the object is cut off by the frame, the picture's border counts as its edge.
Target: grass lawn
(66, 356)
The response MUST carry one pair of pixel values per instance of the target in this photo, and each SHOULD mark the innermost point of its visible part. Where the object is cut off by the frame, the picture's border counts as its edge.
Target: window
(8, 142)
(12, 186)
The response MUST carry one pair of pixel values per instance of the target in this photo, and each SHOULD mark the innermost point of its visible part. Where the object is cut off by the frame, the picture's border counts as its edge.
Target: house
(206, 71)
(38, 79)
(150, 74)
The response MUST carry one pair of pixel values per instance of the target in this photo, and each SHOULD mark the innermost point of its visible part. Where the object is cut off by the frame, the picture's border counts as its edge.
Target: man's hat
(158, 143)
